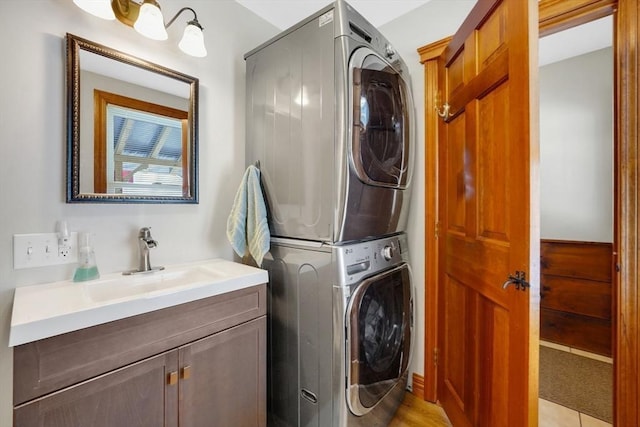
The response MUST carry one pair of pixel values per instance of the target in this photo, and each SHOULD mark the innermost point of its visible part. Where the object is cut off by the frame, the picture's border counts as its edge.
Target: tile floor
(553, 415)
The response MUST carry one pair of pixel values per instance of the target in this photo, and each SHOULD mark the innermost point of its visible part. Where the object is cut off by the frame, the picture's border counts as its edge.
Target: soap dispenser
(87, 268)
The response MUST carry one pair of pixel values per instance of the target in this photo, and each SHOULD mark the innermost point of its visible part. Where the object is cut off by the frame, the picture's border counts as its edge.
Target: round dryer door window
(380, 144)
(379, 336)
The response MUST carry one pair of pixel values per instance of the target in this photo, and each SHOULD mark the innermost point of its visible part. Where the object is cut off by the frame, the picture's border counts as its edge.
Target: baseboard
(418, 386)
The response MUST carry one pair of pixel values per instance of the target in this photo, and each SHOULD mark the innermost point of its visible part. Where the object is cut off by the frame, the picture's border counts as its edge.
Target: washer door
(380, 142)
(379, 322)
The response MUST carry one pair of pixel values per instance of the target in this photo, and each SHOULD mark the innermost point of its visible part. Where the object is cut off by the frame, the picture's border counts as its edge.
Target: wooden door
(223, 379)
(488, 206)
(134, 396)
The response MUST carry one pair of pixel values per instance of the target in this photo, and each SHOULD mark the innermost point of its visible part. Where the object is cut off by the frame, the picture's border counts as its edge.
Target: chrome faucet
(145, 242)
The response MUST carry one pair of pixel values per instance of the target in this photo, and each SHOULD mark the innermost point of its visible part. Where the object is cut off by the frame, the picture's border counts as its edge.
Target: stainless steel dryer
(340, 332)
(330, 118)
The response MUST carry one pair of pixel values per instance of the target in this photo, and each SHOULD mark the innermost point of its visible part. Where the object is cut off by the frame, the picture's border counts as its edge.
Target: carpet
(577, 382)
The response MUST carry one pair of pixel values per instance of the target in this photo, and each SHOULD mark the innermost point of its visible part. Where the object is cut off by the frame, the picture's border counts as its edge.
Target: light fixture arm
(127, 12)
(193, 22)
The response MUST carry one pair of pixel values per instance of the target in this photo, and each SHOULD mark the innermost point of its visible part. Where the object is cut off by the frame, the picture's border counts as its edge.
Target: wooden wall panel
(576, 294)
(582, 260)
(582, 332)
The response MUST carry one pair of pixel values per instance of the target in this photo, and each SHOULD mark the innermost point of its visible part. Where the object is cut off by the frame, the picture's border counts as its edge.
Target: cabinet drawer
(51, 364)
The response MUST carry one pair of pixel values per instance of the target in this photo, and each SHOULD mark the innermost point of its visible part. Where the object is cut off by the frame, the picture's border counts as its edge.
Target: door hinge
(435, 356)
(437, 229)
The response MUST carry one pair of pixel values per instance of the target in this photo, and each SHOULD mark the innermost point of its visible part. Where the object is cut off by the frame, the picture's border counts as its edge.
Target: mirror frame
(74, 45)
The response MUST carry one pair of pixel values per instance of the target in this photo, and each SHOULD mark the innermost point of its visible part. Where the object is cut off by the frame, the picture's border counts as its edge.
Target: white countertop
(42, 311)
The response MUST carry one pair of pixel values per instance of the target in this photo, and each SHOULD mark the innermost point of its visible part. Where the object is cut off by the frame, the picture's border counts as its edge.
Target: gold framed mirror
(132, 128)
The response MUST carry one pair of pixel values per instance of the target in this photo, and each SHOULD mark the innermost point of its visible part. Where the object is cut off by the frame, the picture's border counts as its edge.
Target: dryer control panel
(359, 260)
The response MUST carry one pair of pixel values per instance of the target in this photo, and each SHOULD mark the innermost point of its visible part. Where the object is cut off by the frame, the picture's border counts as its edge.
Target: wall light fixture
(146, 18)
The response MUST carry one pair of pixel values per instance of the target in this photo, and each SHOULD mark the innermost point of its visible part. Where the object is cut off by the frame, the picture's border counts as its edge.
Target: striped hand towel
(247, 226)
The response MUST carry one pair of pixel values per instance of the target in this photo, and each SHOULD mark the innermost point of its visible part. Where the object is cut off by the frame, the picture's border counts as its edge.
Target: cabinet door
(223, 378)
(134, 396)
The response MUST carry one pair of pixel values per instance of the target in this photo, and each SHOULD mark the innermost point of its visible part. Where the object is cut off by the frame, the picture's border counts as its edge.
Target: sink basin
(42, 311)
(147, 285)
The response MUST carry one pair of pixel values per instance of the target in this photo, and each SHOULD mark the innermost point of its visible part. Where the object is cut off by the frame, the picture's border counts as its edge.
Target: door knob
(519, 280)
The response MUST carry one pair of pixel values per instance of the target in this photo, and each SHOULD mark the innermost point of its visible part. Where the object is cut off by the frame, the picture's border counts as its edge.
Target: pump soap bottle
(87, 268)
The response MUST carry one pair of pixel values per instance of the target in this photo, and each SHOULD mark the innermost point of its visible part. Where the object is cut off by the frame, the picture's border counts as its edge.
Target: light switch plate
(41, 250)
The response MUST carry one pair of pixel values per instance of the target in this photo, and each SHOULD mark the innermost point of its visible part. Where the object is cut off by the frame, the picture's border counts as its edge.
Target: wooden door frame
(554, 16)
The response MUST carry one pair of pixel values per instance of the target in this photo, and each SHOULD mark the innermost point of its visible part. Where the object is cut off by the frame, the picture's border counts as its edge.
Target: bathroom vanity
(192, 354)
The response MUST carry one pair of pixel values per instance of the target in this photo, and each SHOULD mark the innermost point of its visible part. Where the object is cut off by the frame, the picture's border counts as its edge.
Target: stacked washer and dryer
(330, 121)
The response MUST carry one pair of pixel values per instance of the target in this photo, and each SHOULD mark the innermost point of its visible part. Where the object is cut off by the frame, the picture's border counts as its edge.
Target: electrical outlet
(42, 249)
(64, 251)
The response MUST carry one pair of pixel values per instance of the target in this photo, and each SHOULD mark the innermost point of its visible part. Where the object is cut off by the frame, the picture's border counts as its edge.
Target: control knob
(387, 252)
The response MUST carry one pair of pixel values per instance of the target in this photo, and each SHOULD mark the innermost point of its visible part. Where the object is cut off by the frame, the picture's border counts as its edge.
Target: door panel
(490, 36)
(455, 341)
(489, 333)
(134, 396)
(223, 378)
(496, 383)
(493, 162)
(456, 175)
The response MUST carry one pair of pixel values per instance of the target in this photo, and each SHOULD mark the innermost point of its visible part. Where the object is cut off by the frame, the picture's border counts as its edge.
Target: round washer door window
(379, 336)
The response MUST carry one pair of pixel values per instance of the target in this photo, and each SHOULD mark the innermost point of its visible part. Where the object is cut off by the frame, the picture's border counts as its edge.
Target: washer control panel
(358, 260)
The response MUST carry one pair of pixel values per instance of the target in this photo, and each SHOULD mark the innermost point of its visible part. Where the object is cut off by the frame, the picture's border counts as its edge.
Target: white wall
(576, 148)
(429, 23)
(32, 138)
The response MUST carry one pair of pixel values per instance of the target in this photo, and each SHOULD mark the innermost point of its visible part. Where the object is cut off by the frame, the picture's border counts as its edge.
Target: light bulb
(150, 22)
(192, 42)
(100, 8)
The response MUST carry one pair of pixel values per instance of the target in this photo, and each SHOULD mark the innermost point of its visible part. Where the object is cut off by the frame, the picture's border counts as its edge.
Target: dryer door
(379, 337)
(380, 107)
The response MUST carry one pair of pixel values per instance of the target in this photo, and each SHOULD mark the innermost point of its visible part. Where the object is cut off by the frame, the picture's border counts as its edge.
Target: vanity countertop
(42, 311)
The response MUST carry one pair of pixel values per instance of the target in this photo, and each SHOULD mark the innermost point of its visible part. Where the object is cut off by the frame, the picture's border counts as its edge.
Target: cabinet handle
(172, 378)
(185, 373)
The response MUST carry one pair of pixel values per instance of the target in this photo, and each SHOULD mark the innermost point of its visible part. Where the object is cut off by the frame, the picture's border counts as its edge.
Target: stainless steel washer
(340, 332)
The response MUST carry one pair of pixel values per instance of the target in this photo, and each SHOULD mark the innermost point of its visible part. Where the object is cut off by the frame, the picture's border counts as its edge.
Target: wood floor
(414, 412)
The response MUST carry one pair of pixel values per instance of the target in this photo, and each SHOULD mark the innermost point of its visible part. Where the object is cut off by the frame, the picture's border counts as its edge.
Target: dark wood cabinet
(210, 371)
(224, 379)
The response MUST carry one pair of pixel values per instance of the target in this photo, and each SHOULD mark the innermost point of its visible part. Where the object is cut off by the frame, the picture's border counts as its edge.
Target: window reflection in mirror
(132, 128)
(140, 147)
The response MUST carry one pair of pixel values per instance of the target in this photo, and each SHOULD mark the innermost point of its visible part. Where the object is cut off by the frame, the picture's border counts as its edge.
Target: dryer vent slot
(360, 32)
